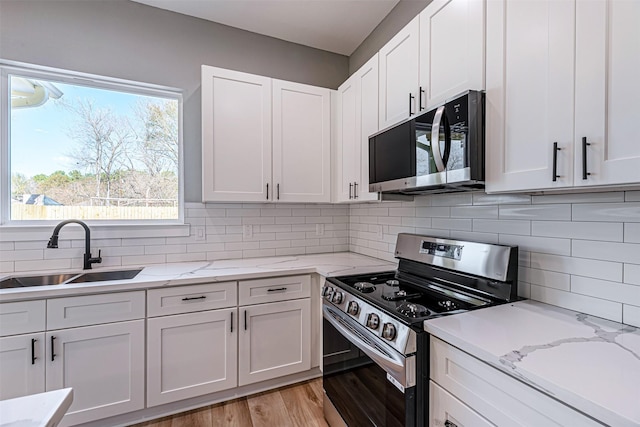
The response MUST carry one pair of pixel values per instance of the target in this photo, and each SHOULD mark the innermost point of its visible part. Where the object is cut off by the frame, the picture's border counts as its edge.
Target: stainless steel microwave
(437, 151)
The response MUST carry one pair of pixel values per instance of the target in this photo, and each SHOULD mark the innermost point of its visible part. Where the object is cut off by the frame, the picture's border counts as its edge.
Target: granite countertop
(587, 362)
(36, 410)
(175, 274)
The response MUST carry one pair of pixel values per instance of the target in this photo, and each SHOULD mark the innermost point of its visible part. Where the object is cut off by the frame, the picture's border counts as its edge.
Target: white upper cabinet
(356, 120)
(607, 92)
(451, 50)
(529, 94)
(398, 86)
(301, 142)
(236, 135)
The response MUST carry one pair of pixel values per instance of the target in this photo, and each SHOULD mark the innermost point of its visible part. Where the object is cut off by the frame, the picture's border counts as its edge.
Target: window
(89, 148)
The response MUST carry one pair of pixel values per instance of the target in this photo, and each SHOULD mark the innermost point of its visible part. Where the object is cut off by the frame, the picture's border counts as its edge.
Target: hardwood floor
(299, 405)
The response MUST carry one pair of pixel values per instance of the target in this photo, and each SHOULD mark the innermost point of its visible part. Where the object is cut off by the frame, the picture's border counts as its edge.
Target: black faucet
(53, 242)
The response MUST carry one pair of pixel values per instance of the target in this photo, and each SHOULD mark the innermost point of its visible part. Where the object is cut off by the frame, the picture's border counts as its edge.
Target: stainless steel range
(375, 350)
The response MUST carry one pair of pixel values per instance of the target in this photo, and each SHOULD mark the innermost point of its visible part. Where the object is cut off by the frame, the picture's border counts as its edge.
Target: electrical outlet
(200, 233)
(247, 230)
(319, 229)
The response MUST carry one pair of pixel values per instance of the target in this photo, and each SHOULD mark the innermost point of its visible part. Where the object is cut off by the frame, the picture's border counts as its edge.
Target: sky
(40, 141)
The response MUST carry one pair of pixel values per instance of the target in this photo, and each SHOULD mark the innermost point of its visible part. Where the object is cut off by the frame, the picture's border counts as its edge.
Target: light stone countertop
(586, 362)
(175, 274)
(36, 410)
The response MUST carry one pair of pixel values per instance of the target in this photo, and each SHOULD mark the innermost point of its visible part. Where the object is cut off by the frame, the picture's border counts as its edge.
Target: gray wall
(400, 16)
(128, 40)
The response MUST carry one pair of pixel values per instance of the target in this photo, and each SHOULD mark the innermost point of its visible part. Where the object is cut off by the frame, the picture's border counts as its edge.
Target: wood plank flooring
(299, 405)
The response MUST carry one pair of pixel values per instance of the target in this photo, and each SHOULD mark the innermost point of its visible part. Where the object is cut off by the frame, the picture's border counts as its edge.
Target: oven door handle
(397, 366)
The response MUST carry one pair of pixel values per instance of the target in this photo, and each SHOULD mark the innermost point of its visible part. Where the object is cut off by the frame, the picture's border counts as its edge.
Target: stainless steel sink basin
(101, 276)
(61, 279)
(45, 280)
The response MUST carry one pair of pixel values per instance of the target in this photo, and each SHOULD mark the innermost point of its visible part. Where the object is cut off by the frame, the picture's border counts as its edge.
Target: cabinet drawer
(22, 317)
(274, 289)
(501, 399)
(94, 309)
(446, 410)
(186, 299)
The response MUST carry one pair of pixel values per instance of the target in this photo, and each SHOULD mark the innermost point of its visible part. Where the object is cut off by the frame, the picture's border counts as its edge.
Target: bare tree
(158, 138)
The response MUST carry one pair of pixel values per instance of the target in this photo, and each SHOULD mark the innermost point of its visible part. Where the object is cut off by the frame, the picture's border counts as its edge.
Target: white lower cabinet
(191, 355)
(274, 340)
(446, 410)
(467, 392)
(104, 364)
(21, 365)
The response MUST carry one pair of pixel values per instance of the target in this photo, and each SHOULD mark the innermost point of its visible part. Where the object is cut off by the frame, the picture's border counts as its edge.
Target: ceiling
(338, 26)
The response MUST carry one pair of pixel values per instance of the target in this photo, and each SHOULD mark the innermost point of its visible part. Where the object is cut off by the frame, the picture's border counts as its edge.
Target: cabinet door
(190, 355)
(274, 340)
(301, 142)
(346, 155)
(236, 135)
(399, 75)
(367, 123)
(21, 365)
(105, 366)
(607, 92)
(529, 97)
(451, 49)
(447, 410)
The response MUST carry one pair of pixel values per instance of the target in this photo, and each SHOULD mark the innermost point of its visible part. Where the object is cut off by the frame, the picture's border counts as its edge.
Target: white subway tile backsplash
(607, 290)
(536, 212)
(631, 315)
(578, 266)
(37, 245)
(501, 199)
(452, 199)
(609, 212)
(66, 253)
(607, 197)
(620, 252)
(39, 265)
(24, 255)
(149, 241)
(434, 212)
(7, 246)
(595, 306)
(205, 247)
(632, 274)
(165, 249)
(213, 256)
(547, 245)
(144, 259)
(275, 244)
(255, 253)
(224, 221)
(290, 251)
(550, 279)
(402, 212)
(524, 290)
(452, 224)
(241, 246)
(474, 236)
(188, 257)
(490, 212)
(612, 232)
(502, 226)
(258, 220)
(6, 266)
(632, 196)
(632, 232)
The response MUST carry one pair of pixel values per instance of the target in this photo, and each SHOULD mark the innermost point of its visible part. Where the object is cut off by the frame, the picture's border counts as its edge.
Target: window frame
(90, 80)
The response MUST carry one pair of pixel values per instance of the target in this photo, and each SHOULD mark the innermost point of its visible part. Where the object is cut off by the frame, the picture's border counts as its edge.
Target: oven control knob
(337, 297)
(393, 282)
(373, 321)
(388, 331)
(353, 308)
(327, 291)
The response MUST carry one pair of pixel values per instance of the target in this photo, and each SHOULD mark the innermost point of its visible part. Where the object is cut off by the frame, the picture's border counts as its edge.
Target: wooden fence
(35, 212)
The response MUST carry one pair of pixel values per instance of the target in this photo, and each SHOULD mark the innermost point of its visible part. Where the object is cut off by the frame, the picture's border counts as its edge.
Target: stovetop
(405, 300)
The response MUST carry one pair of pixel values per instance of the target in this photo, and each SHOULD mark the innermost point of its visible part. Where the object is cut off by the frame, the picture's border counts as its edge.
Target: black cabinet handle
(53, 354)
(278, 190)
(193, 298)
(33, 351)
(267, 191)
(276, 289)
(584, 157)
(245, 320)
(350, 186)
(411, 97)
(555, 175)
(449, 424)
(355, 190)
(420, 107)
(232, 322)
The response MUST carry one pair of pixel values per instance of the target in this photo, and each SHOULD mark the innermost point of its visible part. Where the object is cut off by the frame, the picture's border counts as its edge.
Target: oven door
(369, 384)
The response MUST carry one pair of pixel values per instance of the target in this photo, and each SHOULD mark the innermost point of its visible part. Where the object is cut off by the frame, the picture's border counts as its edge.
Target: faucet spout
(88, 259)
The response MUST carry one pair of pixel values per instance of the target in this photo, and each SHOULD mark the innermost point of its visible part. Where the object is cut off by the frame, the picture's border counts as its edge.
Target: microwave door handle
(435, 140)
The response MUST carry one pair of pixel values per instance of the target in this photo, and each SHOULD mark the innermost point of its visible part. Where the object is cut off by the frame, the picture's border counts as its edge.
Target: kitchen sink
(60, 279)
(45, 280)
(102, 276)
